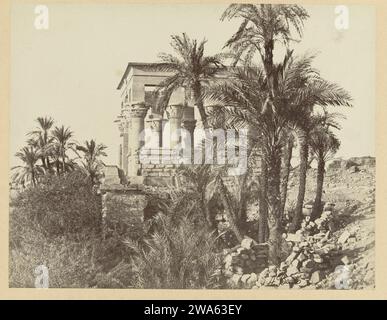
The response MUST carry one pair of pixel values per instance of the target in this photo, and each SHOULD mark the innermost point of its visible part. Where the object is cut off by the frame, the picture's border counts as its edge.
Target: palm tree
(30, 171)
(62, 143)
(91, 152)
(200, 178)
(263, 25)
(321, 93)
(289, 145)
(41, 139)
(296, 87)
(207, 181)
(323, 144)
(191, 69)
(243, 97)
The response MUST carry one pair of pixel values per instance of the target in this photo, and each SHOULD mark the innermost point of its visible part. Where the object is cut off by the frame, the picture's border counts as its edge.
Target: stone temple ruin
(162, 131)
(154, 144)
(159, 138)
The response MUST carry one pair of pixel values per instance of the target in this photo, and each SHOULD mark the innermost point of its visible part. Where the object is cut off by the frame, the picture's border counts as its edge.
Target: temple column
(156, 125)
(120, 156)
(190, 125)
(124, 133)
(189, 122)
(137, 114)
(175, 114)
(124, 146)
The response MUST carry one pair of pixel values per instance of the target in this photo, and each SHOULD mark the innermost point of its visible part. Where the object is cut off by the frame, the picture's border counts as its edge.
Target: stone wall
(159, 174)
(123, 208)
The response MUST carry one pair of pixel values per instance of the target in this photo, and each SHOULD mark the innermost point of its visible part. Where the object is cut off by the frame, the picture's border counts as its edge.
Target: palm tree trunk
(48, 163)
(274, 203)
(43, 163)
(242, 207)
(286, 172)
(197, 95)
(57, 167)
(33, 178)
(230, 212)
(316, 212)
(304, 149)
(206, 213)
(63, 162)
(268, 64)
(262, 226)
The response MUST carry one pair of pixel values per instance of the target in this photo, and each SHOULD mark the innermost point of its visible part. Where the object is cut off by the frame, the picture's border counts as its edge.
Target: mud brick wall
(123, 209)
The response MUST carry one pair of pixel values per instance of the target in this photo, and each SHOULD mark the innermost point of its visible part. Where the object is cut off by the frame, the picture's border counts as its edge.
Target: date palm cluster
(51, 150)
(282, 104)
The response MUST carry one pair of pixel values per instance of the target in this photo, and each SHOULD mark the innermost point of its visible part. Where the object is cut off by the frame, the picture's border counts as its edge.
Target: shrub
(55, 224)
(69, 261)
(62, 205)
(80, 260)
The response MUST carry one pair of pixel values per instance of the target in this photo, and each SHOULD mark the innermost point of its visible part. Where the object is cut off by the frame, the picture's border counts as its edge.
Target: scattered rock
(246, 243)
(290, 258)
(308, 263)
(345, 260)
(316, 277)
(353, 169)
(244, 278)
(252, 279)
(292, 270)
(235, 279)
(294, 237)
(344, 237)
(303, 283)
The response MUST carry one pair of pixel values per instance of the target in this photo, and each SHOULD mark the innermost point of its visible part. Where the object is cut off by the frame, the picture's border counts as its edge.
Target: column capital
(138, 110)
(188, 113)
(123, 124)
(175, 111)
(155, 124)
(121, 127)
(189, 124)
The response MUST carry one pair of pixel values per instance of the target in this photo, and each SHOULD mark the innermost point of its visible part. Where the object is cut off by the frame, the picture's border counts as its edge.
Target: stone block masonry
(123, 209)
(159, 174)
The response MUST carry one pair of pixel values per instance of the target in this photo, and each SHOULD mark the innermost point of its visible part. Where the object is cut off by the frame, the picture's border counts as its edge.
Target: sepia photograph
(192, 146)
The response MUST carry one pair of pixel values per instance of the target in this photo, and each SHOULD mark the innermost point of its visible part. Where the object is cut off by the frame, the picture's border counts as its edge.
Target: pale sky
(70, 71)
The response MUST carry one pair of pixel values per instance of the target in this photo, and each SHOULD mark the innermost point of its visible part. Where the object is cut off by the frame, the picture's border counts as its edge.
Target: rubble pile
(243, 263)
(314, 254)
(305, 265)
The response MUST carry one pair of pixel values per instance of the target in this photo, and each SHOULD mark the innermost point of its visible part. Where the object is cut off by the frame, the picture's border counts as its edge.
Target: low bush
(62, 205)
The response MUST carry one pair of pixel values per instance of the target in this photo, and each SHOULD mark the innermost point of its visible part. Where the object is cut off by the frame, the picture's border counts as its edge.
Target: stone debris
(344, 237)
(243, 263)
(314, 251)
(345, 260)
(305, 265)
